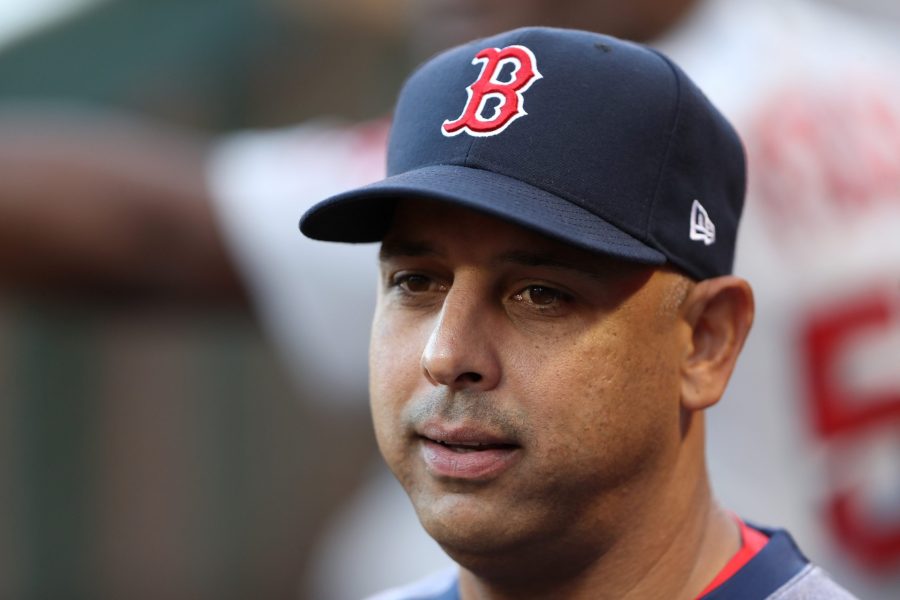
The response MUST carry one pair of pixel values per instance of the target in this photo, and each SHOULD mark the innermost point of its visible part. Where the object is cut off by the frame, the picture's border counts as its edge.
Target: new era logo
(702, 227)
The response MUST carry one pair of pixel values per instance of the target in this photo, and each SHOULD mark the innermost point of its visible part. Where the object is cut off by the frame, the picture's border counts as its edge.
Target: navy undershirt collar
(772, 567)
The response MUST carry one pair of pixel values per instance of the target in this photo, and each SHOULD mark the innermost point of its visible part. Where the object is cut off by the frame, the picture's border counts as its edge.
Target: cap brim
(364, 214)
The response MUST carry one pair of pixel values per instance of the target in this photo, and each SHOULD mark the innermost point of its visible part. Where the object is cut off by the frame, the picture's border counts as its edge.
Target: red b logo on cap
(488, 86)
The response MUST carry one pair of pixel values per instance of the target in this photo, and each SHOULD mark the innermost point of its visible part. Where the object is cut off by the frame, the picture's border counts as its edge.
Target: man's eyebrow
(397, 248)
(599, 271)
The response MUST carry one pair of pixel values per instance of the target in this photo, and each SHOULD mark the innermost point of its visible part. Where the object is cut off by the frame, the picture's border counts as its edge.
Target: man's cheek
(388, 435)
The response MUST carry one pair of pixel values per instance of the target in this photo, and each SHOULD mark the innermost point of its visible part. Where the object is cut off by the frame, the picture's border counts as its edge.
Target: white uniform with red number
(808, 435)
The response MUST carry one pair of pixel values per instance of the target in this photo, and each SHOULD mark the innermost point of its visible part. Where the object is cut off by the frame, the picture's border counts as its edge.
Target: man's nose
(461, 351)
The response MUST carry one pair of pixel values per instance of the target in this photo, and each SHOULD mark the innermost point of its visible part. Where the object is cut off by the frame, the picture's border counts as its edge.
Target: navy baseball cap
(603, 144)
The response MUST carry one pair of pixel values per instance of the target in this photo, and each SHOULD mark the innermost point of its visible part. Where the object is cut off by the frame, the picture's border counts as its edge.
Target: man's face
(522, 390)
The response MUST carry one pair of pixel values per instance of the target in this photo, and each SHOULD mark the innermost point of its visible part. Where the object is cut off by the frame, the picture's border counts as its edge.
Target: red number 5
(843, 413)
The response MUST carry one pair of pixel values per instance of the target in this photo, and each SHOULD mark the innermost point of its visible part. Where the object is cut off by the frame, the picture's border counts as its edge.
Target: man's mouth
(466, 452)
(463, 447)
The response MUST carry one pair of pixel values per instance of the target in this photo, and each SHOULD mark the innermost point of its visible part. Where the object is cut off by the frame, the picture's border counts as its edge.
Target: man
(258, 181)
(555, 313)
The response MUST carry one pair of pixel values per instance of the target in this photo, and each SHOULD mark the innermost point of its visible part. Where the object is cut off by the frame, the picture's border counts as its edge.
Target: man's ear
(719, 312)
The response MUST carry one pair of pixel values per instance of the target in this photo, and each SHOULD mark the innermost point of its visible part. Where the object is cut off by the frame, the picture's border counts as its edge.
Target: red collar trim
(752, 541)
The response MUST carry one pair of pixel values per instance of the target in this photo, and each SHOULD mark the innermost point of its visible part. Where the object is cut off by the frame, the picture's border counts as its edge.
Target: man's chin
(468, 525)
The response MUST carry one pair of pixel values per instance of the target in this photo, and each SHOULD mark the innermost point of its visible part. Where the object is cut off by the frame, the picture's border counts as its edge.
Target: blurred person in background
(811, 418)
(150, 447)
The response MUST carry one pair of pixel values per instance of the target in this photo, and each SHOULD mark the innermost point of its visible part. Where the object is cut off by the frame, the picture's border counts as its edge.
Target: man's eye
(541, 296)
(414, 283)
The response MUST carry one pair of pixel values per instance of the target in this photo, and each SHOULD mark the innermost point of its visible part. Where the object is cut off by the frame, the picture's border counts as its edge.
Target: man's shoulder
(779, 571)
(442, 585)
(812, 583)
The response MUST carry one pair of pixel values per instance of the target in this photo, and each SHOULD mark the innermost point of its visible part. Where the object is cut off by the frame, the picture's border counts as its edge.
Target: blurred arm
(106, 204)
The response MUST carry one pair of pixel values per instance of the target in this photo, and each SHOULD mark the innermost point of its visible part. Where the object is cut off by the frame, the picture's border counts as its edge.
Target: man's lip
(472, 461)
(465, 435)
